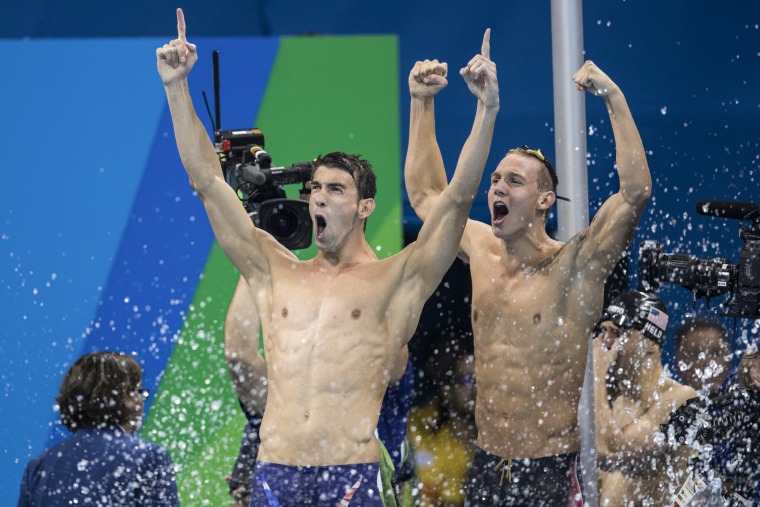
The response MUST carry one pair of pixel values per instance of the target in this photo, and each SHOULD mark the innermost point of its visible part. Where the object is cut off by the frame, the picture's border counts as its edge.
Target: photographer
(633, 397)
(722, 427)
(735, 431)
(723, 430)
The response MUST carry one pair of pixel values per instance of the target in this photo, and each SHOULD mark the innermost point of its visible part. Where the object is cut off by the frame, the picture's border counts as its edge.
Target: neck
(529, 248)
(354, 251)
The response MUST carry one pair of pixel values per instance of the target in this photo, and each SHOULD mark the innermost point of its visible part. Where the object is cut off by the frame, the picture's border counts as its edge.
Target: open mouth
(500, 211)
(321, 224)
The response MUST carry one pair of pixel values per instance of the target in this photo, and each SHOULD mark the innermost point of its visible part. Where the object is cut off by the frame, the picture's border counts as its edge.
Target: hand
(176, 59)
(241, 496)
(427, 78)
(605, 354)
(480, 74)
(590, 78)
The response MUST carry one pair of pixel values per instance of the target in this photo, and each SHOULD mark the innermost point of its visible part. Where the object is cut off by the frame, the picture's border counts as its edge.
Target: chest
(314, 299)
(517, 296)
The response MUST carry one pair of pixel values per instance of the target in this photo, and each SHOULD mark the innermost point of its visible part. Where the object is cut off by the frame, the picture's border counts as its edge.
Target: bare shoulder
(275, 252)
(672, 396)
(477, 235)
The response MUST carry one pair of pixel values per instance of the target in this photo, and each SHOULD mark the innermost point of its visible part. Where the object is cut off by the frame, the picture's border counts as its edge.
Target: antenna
(216, 90)
(208, 109)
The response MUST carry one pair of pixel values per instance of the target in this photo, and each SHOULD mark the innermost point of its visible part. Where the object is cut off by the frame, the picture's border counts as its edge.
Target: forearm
(424, 171)
(472, 160)
(195, 149)
(602, 416)
(448, 212)
(633, 170)
(249, 379)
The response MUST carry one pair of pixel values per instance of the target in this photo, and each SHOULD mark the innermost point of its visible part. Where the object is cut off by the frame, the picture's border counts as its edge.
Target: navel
(356, 313)
(306, 415)
(284, 312)
(537, 318)
(475, 316)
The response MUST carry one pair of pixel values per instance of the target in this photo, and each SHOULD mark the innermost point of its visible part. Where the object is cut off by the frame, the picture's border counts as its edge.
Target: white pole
(569, 117)
(570, 150)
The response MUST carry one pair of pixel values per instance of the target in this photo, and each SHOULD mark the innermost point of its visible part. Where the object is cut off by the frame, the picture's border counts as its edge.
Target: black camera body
(247, 168)
(711, 277)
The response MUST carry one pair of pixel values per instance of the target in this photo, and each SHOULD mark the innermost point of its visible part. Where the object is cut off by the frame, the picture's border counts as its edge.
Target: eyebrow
(507, 174)
(329, 184)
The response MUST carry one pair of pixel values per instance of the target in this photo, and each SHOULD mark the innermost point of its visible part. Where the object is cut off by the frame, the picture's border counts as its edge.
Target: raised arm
(247, 367)
(616, 221)
(424, 172)
(243, 243)
(438, 240)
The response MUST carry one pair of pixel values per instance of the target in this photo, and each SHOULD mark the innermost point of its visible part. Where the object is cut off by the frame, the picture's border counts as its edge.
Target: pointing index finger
(181, 25)
(485, 49)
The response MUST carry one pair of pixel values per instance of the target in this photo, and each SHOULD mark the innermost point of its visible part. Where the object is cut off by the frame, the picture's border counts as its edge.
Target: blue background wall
(690, 71)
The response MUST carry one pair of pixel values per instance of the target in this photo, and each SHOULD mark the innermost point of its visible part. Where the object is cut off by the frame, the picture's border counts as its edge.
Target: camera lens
(283, 223)
(287, 220)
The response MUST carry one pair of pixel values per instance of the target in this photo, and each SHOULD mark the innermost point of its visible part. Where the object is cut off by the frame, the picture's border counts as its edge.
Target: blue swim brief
(356, 485)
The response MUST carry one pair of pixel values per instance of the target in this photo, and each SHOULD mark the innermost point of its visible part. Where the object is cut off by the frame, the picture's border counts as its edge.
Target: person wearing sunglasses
(103, 462)
(633, 397)
(535, 300)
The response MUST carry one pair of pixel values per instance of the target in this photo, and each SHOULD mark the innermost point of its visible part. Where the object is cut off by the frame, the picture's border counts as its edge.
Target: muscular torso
(531, 332)
(331, 339)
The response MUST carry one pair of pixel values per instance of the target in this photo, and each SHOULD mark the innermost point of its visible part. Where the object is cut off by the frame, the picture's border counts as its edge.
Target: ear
(546, 200)
(652, 348)
(366, 207)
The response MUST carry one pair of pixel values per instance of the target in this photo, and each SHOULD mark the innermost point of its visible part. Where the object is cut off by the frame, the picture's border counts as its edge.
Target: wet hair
(698, 324)
(547, 180)
(101, 389)
(359, 169)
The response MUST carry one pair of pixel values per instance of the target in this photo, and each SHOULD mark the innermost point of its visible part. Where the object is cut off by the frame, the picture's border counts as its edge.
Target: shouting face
(335, 208)
(514, 198)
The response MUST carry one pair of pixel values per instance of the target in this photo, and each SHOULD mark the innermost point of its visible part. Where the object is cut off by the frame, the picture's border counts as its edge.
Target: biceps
(610, 233)
(246, 246)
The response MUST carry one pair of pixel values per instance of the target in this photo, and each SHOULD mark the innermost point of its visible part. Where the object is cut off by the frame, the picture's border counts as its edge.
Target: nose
(500, 189)
(319, 200)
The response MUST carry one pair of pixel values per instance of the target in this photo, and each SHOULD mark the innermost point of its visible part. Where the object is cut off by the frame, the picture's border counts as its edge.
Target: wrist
(491, 106)
(423, 99)
(176, 85)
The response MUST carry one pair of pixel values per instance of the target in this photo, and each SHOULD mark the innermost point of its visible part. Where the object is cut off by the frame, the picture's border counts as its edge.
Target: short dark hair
(544, 183)
(100, 388)
(546, 180)
(359, 169)
(697, 324)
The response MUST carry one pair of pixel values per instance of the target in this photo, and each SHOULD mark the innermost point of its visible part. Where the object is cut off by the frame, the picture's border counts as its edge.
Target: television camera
(247, 168)
(711, 277)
